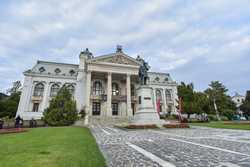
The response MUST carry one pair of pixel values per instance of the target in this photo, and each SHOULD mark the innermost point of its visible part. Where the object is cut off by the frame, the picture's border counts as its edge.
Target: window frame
(35, 107)
(97, 90)
(96, 108)
(38, 90)
(115, 108)
(53, 93)
(115, 89)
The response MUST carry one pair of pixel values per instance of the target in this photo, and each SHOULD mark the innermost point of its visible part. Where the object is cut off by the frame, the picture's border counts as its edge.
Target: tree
(221, 102)
(245, 107)
(62, 110)
(186, 92)
(201, 103)
(15, 87)
(9, 104)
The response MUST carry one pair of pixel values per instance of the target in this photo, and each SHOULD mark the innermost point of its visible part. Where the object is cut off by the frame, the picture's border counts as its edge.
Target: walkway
(174, 147)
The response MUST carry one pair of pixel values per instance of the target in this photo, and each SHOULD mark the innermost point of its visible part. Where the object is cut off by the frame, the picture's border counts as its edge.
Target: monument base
(146, 113)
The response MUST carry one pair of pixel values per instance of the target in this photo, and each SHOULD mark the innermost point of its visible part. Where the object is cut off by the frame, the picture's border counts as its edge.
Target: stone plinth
(146, 113)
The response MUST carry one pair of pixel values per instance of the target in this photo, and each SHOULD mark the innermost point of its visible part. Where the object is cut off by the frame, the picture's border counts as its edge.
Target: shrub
(62, 110)
(224, 118)
(212, 117)
(228, 113)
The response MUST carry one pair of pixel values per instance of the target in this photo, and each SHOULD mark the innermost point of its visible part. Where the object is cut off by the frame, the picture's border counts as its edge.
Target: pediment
(117, 59)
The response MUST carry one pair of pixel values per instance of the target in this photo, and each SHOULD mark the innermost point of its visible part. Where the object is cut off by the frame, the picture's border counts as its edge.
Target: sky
(195, 41)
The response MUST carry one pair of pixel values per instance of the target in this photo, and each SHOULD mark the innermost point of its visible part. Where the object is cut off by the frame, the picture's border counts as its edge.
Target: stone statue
(143, 71)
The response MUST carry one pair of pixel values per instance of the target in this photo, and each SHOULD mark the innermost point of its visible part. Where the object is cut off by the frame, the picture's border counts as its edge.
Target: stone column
(45, 97)
(129, 109)
(109, 95)
(87, 104)
(164, 101)
(154, 98)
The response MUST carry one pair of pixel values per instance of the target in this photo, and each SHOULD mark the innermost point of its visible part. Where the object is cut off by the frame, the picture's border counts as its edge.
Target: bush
(212, 117)
(62, 110)
(224, 118)
(228, 113)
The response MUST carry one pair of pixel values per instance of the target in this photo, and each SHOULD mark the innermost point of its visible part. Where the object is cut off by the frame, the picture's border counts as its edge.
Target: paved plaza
(174, 147)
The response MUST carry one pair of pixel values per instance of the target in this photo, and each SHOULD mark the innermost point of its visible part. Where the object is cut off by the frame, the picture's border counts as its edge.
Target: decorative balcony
(37, 98)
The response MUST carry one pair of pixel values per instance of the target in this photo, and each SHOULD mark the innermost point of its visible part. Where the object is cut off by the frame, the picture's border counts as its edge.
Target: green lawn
(223, 126)
(50, 147)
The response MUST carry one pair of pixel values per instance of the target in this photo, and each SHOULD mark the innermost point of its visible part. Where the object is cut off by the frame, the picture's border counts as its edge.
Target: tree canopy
(9, 104)
(245, 107)
(203, 102)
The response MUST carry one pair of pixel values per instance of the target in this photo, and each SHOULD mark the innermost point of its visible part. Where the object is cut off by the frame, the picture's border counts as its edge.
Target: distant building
(238, 100)
(105, 86)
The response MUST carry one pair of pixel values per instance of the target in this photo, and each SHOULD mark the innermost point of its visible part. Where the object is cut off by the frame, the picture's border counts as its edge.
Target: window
(158, 94)
(54, 90)
(38, 90)
(71, 89)
(115, 89)
(157, 79)
(132, 90)
(168, 95)
(97, 88)
(166, 79)
(133, 108)
(72, 72)
(114, 108)
(57, 70)
(35, 107)
(96, 108)
(169, 109)
(41, 69)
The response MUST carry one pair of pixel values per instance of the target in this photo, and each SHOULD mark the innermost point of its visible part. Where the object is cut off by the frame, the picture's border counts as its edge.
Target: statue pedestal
(146, 113)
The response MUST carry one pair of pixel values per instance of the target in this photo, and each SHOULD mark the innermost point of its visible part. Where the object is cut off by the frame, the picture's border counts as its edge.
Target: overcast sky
(195, 41)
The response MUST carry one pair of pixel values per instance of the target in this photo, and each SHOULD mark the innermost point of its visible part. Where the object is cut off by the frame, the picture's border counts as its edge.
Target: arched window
(54, 89)
(115, 89)
(38, 90)
(132, 90)
(158, 94)
(168, 95)
(71, 89)
(97, 88)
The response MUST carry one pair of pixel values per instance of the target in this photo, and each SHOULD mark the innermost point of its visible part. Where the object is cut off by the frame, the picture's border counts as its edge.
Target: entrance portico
(108, 86)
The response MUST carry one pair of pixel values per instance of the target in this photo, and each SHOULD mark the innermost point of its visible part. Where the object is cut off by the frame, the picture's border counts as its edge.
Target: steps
(79, 122)
(97, 120)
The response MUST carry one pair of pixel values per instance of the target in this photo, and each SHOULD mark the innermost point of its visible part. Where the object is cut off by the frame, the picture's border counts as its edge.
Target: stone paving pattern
(163, 144)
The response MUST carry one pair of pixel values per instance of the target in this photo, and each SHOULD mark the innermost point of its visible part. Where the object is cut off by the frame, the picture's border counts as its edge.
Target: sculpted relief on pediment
(118, 59)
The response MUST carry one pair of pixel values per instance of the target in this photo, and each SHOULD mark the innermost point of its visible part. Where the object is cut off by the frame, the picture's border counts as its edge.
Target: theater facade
(102, 86)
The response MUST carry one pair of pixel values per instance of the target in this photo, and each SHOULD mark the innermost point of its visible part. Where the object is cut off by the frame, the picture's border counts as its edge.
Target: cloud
(174, 36)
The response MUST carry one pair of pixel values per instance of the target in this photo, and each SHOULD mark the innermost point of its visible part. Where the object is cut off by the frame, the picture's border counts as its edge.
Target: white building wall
(26, 104)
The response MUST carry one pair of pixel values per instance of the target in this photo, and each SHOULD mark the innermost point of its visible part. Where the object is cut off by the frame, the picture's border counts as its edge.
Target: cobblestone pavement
(174, 147)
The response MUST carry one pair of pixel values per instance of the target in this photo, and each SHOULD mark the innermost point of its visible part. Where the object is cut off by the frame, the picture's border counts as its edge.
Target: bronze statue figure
(143, 71)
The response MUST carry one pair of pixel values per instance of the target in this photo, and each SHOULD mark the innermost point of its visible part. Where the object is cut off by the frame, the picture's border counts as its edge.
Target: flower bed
(12, 130)
(149, 126)
(181, 125)
(237, 122)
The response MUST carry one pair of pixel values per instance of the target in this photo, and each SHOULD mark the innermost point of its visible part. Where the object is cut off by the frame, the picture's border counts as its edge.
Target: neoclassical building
(103, 86)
